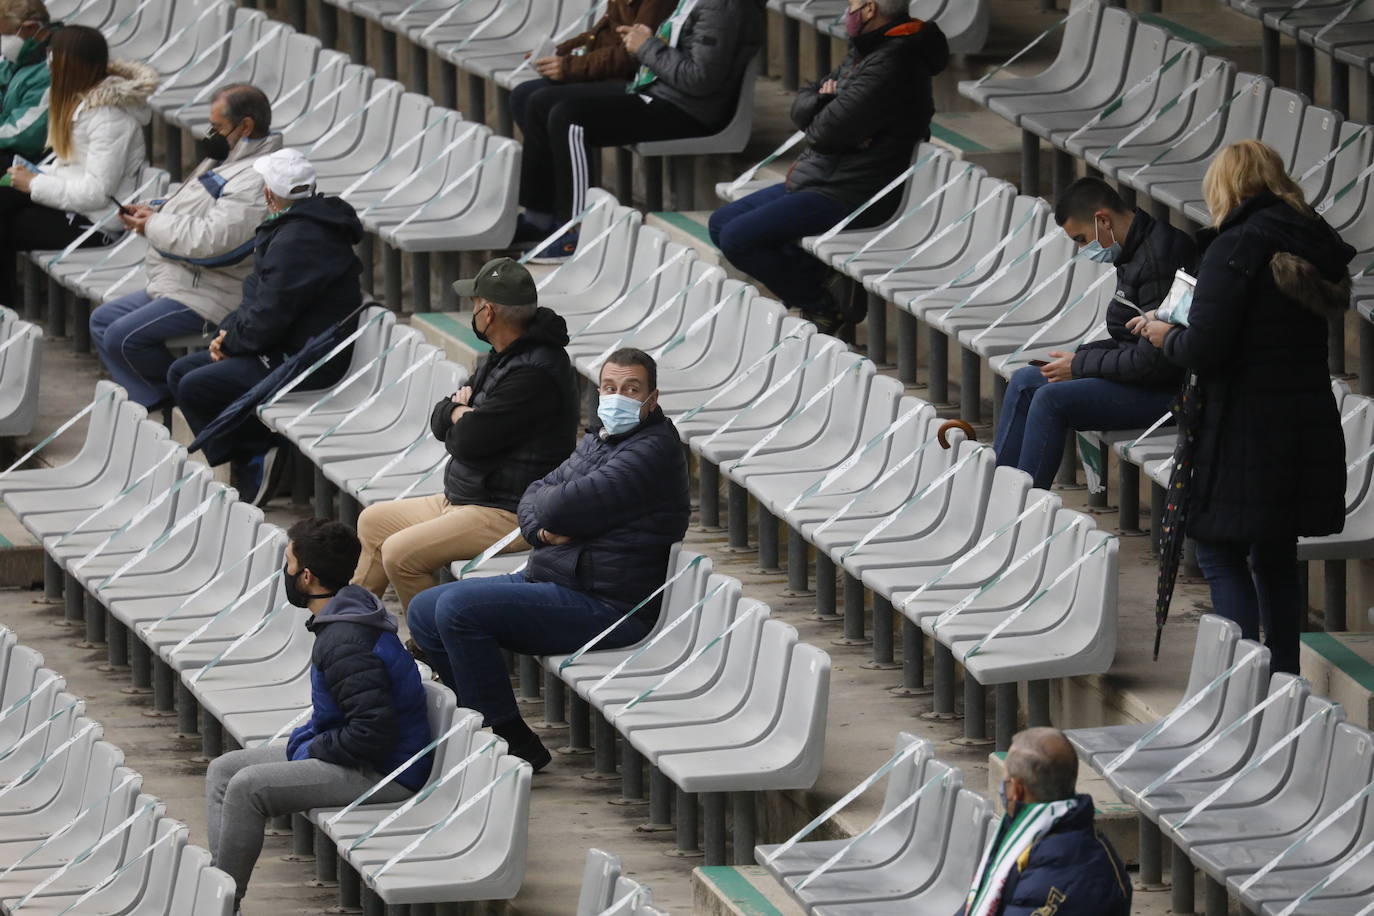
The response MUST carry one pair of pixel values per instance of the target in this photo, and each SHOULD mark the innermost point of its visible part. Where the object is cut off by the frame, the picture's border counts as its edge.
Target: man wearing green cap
(513, 423)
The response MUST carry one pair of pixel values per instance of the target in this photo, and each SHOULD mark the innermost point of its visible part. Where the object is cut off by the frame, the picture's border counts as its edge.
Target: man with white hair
(1048, 856)
(304, 281)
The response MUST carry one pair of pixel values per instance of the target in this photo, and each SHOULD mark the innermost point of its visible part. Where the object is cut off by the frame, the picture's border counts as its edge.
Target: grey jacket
(702, 74)
(201, 240)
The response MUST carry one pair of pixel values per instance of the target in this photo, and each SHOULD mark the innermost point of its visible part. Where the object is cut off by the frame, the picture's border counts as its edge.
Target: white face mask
(10, 46)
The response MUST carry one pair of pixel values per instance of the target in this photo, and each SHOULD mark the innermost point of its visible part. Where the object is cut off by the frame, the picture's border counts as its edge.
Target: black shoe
(274, 464)
(528, 232)
(524, 743)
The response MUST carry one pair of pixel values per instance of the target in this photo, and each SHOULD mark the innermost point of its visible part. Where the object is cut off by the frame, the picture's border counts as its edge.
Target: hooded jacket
(1070, 871)
(24, 104)
(1151, 254)
(304, 280)
(864, 135)
(367, 703)
(108, 153)
(624, 502)
(523, 421)
(1269, 460)
(603, 55)
(702, 75)
(201, 239)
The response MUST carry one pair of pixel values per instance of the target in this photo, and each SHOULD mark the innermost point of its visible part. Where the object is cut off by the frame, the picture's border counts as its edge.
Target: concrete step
(452, 333)
(21, 556)
(740, 890)
(1341, 666)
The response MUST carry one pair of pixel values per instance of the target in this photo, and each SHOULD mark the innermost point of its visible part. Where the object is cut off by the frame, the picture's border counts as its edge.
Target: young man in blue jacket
(368, 715)
(602, 525)
(1047, 857)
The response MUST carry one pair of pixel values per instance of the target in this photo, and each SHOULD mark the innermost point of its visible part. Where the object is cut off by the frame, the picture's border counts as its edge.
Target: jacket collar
(655, 417)
(1248, 208)
(869, 42)
(1142, 224)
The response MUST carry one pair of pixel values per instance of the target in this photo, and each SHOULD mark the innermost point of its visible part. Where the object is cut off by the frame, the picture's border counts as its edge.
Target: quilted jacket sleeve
(608, 496)
(528, 513)
(358, 683)
(702, 63)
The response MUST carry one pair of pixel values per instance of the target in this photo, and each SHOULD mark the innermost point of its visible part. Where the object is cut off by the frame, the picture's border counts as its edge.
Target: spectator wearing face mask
(514, 421)
(25, 29)
(602, 524)
(200, 248)
(304, 281)
(862, 123)
(1121, 382)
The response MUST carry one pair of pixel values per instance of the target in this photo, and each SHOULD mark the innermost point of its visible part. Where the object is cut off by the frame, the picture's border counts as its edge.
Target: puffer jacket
(24, 105)
(1150, 256)
(107, 147)
(603, 55)
(523, 421)
(201, 239)
(1070, 871)
(702, 75)
(367, 703)
(304, 281)
(863, 136)
(1269, 460)
(624, 502)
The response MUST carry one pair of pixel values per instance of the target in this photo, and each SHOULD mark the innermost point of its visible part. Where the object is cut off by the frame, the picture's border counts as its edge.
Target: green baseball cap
(502, 281)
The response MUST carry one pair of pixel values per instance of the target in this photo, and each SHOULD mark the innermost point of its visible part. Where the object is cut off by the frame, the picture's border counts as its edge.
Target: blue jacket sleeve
(358, 682)
(611, 495)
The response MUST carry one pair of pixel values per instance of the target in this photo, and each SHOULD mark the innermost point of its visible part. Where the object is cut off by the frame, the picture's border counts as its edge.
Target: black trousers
(562, 121)
(27, 226)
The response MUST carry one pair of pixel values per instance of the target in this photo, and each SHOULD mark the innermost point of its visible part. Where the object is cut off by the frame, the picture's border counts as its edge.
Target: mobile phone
(1037, 363)
(127, 211)
(21, 161)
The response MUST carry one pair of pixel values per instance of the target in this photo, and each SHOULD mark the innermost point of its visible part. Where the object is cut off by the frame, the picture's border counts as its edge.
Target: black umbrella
(1187, 412)
(216, 438)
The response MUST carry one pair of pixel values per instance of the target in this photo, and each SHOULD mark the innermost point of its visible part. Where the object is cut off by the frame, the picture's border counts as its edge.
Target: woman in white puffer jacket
(97, 111)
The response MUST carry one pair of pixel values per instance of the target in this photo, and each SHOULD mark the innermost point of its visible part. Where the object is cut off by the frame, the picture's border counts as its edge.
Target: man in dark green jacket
(24, 32)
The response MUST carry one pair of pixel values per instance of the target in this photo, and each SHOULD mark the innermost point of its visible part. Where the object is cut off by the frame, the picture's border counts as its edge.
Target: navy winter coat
(1070, 871)
(624, 502)
(1152, 252)
(369, 705)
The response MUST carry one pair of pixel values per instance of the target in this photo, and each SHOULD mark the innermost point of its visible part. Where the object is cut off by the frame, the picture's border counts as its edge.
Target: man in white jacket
(200, 243)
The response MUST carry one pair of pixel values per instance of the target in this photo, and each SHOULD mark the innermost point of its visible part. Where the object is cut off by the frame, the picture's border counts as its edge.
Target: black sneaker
(273, 470)
(528, 232)
(522, 742)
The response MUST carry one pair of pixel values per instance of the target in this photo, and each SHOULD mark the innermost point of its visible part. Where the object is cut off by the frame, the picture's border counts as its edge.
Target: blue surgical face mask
(618, 413)
(1094, 251)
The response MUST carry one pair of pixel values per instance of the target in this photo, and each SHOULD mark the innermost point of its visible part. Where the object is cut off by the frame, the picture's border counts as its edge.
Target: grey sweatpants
(245, 788)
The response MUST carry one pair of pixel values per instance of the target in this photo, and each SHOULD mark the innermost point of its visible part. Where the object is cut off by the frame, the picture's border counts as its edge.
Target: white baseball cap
(287, 173)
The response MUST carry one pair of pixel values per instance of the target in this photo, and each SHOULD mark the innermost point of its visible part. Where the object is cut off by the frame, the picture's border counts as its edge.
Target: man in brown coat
(594, 63)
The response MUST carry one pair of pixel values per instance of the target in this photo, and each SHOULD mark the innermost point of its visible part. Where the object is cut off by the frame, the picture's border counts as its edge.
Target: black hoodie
(523, 422)
(864, 135)
(304, 280)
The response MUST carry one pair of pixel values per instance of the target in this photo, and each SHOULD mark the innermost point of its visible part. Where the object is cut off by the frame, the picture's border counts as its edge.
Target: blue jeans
(1257, 585)
(759, 233)
(463, 626)
(1036, 417)
(130, 334)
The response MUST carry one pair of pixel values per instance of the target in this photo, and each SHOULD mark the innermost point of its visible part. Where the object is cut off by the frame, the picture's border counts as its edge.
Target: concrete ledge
(1341, 666)
(740, 890)
(452, 334)
(21, 556)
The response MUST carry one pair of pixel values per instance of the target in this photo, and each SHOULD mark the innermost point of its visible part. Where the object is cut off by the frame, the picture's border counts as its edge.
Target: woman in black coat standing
(1269, 461)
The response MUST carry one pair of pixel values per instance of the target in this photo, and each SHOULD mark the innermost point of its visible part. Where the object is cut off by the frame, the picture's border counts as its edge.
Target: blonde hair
(80, 61)
(1244, 169)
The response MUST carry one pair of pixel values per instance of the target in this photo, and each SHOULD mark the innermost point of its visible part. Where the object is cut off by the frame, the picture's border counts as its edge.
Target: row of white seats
(1253, 780)
(80, 834)
(149, 545)
(21, 361)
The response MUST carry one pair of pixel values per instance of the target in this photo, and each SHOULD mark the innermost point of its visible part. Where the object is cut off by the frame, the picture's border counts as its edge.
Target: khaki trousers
(406, 541)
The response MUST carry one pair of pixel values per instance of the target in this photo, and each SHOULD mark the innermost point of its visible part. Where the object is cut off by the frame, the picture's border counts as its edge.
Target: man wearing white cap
(304, 281)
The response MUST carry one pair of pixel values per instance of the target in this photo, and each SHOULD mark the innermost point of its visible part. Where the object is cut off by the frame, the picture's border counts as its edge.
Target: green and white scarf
(990, 880)
(669, 33)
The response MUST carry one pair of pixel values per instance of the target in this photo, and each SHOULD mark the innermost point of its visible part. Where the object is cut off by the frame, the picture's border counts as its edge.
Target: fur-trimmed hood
(1299, 280)
(128, 86)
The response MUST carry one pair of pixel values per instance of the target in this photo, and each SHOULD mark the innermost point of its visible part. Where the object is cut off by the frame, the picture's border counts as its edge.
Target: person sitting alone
(200, 248)
(1121, 382)
(512, 424)
(304, 281)
(1048, 855)
(602, 525)
(862, 124)
(368, 711)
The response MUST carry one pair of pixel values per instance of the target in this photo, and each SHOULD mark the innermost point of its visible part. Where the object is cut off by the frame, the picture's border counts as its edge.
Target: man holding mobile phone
(200, 248)
(1120, 382)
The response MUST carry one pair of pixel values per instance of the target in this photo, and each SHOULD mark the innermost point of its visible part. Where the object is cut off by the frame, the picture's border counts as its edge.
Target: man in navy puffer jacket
(602, 524)
(368, 713)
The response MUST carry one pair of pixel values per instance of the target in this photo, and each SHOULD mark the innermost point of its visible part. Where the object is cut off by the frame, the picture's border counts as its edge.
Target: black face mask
(293, 591)
(214, 145)
(480, 335)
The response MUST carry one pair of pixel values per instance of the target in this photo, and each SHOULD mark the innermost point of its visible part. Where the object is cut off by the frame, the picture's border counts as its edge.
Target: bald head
(1045, 764)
